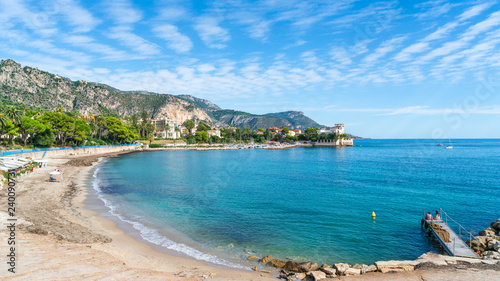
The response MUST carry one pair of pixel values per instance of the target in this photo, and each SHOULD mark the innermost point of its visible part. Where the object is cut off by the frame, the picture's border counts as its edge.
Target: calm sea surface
(303, 203)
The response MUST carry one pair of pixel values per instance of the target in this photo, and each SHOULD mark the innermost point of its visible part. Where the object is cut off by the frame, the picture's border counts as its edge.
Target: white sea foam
(152, 235)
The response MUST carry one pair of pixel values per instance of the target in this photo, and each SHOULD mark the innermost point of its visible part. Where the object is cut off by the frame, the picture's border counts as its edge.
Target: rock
(328, 270)
(324, 266)
(307, 266)
(352, 271)
(292, 266)
(490, 255)
(252, 258)
(487, 232)
(496, 246)
(266, 259)
(277, 263)
(490, 244)
(317, 275)
(496, 225)
(362, 267)
(478, 243)
(341, 267)
(387, 266)
(300, 276)
(371, 268)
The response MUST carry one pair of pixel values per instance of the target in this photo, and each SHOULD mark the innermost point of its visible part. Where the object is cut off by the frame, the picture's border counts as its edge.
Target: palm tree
(59, 108)
(3, 120)
(13, 114)
(101, 123)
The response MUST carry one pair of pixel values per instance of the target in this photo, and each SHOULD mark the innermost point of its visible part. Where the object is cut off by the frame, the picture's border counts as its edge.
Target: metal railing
(457, 226)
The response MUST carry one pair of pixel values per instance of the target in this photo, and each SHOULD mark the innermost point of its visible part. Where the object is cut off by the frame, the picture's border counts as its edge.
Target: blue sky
(389, 69)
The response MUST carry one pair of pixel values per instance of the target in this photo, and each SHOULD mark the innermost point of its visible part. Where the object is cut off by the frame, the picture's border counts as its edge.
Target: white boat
(449, 146)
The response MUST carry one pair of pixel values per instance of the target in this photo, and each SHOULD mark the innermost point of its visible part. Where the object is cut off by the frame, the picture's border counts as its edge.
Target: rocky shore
(487, 244)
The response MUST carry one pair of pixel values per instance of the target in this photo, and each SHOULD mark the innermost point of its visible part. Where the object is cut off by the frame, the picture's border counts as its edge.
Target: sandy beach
(57, 237)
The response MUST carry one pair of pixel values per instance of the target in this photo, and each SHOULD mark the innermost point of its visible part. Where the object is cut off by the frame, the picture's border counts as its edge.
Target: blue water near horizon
(303, 203)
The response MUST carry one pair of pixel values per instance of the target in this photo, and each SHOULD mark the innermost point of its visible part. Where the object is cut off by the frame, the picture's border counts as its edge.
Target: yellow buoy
(373, 215)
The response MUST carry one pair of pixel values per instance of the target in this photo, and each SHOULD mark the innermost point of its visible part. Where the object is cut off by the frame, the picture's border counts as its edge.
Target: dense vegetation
(22, 125)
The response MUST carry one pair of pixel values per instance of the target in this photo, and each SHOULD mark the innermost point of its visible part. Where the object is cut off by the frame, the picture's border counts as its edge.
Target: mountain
(201, 103)
(297, 119)
(38, 88)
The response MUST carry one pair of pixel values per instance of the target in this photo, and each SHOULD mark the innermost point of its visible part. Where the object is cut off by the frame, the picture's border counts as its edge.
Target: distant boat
(439, 144)
(449, 146)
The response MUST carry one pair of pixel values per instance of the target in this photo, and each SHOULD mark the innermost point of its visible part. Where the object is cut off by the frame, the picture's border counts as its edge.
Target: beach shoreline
(75, 242)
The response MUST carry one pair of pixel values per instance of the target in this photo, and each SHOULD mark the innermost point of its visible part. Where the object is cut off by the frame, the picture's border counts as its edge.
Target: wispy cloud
(211, 33)
(135, 42)
(123, 12)
(474, 11)
(175, 40)
(77, 16)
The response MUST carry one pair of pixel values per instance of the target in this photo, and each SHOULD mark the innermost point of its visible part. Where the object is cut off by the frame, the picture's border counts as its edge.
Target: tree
(203, 127)
(311, 131)
(3, 120)
(151, 138)
(59, 108)
(10, 129)
(189, 124)
(215, 139)
(30, 127)
(286, 131)
(344, 136)
(201, 136)
(13, 114)
(62, 125)
(82, 129)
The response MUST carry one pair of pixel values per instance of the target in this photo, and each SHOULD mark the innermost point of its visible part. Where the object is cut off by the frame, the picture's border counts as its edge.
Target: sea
(303, 203)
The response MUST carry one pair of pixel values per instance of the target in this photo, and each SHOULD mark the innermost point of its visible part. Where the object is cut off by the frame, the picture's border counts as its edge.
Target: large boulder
(292, 266)
(300, 267)
(341, 267)
(371, 268)
(479, 243)
(266, 259)
(352, 271)
(329, 271)
(277, 263)
(487, 232)
(307, 266)
(496, 225)
(317, 275)
(388, 266)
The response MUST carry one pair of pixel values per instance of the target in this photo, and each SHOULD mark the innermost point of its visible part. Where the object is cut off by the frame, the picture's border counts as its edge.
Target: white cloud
(211, 33)
(407, 53)
(437, 8)
(384, 48)
(474, 11)
(135, 42)
(77, 16)
(483, 26)
(123, 12)
(175, 40)
(172, 14)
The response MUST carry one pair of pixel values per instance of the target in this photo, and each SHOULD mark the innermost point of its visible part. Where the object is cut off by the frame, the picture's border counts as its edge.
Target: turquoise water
(303, 203)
